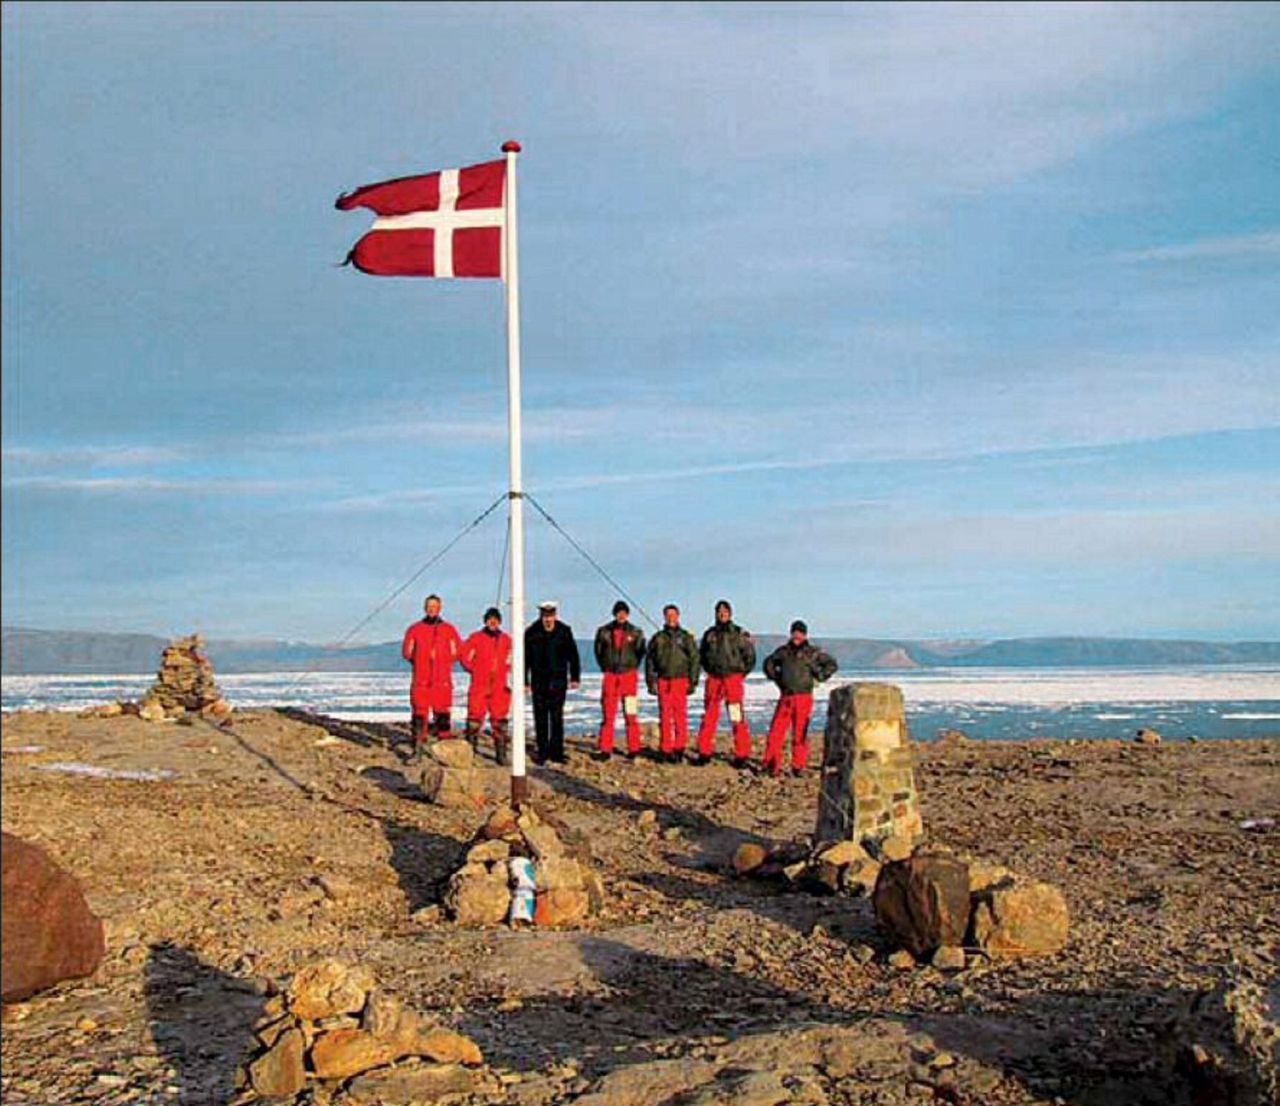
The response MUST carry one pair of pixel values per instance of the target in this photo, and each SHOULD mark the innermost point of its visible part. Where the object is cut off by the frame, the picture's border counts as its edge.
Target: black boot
(473, 734)
(501, 744)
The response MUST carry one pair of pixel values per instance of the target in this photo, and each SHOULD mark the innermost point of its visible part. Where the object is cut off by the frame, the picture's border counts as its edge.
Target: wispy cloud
(1261, 244)
(98, 456)
(143, 485)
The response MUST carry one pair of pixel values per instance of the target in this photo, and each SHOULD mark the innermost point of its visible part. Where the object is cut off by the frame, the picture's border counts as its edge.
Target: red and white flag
(446, 224)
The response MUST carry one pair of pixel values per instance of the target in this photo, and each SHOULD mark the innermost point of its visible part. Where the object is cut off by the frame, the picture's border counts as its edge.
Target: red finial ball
(511, 146)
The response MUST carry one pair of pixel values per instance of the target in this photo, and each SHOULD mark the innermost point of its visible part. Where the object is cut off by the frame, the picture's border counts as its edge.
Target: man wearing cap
(551, 667)
(795, 667)
(728, 654)
(619, 649)
(431, 646)
(486, 654)
(671, 670)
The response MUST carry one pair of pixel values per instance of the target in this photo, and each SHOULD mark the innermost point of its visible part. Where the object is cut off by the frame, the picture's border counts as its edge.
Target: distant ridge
(31, 652)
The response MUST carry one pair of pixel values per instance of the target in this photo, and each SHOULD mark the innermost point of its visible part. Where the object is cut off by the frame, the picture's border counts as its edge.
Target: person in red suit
(431, 646)
(486, 654)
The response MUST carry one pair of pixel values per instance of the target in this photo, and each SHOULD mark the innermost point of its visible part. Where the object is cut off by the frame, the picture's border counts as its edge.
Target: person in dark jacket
(671, 668)
(619, 649)
(727, 654)
(795, 667)
(551, 667)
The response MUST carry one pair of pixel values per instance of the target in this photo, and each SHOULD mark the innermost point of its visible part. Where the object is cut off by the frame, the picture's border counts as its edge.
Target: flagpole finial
(511, 146)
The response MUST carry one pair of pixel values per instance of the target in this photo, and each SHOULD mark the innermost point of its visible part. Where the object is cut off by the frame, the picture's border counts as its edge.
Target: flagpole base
(519, 789)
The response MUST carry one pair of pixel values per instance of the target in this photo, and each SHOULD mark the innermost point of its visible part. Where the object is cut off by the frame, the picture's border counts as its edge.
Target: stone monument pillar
(868, 787)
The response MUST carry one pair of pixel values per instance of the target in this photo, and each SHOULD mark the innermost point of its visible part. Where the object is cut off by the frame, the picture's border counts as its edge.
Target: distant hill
(60, 652)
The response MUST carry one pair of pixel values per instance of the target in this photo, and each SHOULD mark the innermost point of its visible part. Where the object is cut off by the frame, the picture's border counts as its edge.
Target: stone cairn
(868, 786)
(933, 905)
(486, 890)
(184, 685)
(333, 1026)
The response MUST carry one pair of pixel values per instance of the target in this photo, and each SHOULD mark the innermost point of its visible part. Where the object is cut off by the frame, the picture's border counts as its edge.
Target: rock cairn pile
(450, 777)
(184, 685)
(1226, 1042)
(493, 884)
(334, 1026)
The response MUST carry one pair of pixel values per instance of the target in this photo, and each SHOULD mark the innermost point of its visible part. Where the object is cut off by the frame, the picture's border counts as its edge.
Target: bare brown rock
(328, 988)
(1020, 919)
(748, 857)
(49, 932)
(478, 895)
(342, 1053)
(409, 1085)
(279, 1072)
(923, 902)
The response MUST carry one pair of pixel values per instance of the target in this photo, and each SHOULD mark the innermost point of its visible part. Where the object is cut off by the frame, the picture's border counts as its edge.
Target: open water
(990, 703)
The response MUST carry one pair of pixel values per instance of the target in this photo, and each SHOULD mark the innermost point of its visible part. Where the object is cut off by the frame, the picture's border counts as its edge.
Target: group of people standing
(673, 662)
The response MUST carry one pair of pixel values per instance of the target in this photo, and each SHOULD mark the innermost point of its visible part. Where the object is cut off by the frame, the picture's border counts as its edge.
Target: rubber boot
(473, 734)
(501, 744)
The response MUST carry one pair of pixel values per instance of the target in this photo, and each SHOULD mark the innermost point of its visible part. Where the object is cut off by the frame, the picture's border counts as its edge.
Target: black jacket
(672, 654)
(612, 659)
(795, 669)
(550, 658)
(727, 648)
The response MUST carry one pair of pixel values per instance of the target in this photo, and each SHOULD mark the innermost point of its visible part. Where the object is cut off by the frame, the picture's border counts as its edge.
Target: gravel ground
(282, 839)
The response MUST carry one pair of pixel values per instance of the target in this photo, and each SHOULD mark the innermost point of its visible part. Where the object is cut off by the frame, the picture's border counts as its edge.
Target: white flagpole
(511, 271)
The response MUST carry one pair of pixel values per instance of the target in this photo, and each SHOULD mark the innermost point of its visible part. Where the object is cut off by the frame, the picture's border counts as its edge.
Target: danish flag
(445, 224)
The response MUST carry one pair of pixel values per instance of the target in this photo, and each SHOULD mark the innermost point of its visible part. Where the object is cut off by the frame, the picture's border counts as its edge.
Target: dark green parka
(796, 668)
(727, 648)
(672, 653)
(609, 657)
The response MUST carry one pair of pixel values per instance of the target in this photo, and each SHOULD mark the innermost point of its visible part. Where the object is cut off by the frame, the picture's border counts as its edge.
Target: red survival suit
(486, 654)
(431, 646)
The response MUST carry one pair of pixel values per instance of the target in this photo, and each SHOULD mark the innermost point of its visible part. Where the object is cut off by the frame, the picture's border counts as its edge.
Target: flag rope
(591, 561)
(502, 565)
(311, 670)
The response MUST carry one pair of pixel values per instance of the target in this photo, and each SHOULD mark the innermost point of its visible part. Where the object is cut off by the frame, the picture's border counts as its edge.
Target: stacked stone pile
(1226, 1042)
(450, 777)
(333, 1026)
(568, 889)
(185, 684)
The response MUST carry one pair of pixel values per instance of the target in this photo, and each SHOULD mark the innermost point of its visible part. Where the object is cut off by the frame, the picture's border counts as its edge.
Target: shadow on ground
(202, 1021)
(1082, 1047)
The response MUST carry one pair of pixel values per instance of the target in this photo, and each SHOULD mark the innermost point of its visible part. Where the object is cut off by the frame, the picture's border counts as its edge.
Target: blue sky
(909, 320)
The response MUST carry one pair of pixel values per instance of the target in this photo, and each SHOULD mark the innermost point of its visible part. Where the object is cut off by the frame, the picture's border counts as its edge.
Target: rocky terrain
(225, 859)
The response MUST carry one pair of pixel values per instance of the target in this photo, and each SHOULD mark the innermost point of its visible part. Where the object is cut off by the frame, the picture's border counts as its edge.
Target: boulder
(748, 857)
(152, 710)
(556, 873)
(983, 875)
(860, 879)
(950, 737)
(458, 788)
(948, 958)
(279, 1072)
(478, 895)
(342, 1053)
(452, 753)
(488, 851)
(501, 823)
(1020, 918)
(923, 902)
(404, 1030)
(329, 988)
(561, 906)
(409, 1085)
(543, 841)
(843, 853)
(1148, 736)
(49, 932)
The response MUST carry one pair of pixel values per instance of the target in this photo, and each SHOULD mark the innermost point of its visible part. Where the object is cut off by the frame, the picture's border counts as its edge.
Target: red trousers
(673, 713)
(790, 717)
(729, 689)
(432, 703)
(620, 689)
(493, 701)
